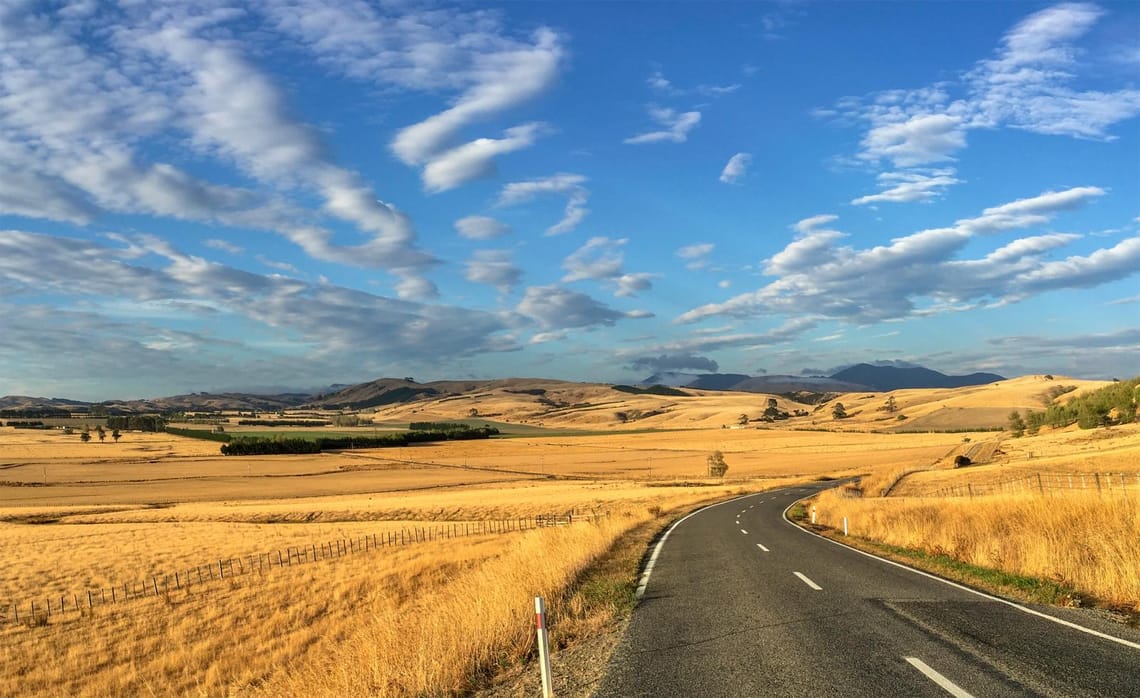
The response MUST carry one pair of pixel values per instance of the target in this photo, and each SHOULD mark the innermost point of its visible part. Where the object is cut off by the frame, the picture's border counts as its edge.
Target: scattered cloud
(556, 308)
(673, 362)
(568, 185)
(322, 320)
(736, 168)
(675, 126)
(921, 273)
(696, 255)
(481, 228)
(1026, 85)
(914, 185)
(493, 267)
(602, 259)
(224, 246)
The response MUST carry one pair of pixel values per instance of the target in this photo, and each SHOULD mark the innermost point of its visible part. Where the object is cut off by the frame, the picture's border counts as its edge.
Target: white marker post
(813, 515)
(543, 646)
(844, 525)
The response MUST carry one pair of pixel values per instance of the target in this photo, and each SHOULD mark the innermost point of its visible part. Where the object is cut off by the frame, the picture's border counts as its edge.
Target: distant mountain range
(857, 378)
(387, 391)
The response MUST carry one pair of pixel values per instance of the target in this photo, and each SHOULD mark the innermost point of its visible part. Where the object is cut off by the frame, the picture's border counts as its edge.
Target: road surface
(741, 603)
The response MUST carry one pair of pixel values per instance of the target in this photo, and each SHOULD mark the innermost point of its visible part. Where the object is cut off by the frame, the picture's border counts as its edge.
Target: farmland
(443, 614)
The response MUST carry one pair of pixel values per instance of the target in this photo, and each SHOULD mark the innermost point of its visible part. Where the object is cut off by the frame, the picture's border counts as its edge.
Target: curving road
(742, 603)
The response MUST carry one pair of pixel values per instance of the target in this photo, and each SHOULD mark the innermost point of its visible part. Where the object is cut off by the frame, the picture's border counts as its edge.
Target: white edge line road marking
(743, 531)
(763, 548)
(805, 580)
(661, 543)
(945, 683)
(991, 597)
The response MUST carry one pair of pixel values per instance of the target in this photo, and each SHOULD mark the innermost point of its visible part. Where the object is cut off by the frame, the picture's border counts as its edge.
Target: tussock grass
(1087, 542)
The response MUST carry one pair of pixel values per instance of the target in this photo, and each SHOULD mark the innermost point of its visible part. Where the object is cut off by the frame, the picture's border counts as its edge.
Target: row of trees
(260, 446)
(137, 422)
(1113, 404)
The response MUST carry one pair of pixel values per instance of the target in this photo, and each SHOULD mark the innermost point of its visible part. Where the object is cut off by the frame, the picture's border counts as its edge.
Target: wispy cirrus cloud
(569, 185)
(87, 93)
(602, 259)
(675, 126)
(736, 168)
(1026, 85)
(467, 53)
(696, 255)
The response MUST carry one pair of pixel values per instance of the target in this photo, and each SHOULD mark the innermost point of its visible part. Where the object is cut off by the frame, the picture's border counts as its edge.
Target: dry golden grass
(1089, 542)
(378, 623)
(480, 620)
(1079, 536)
(231, 637)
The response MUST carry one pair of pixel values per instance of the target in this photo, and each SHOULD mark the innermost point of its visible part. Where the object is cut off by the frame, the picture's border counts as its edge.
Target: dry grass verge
(1082, 542)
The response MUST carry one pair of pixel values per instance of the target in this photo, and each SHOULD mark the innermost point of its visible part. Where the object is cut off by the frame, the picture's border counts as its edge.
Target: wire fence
(37, 611)
(1049, 483)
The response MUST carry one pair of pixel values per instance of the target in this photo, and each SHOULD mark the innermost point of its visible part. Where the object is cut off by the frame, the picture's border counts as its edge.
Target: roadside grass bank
(587, 625)
(1021, 548)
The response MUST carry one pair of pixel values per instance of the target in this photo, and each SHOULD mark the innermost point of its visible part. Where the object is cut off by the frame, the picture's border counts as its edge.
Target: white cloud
(568, 185)
(920, 140)
(808, 225)
(736, 168)
(696, 254)
(495, 268)
(481, 228)
(555, 308)
(601, 259)
(1026, 85)
(909, 186)
(327, 319)
(675, 126)
(224, 246)
(922, 273)
(476, 159)
(503, 80)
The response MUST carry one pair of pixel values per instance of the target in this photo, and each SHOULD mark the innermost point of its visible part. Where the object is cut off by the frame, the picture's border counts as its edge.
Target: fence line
(37, 611)
(1047, 483)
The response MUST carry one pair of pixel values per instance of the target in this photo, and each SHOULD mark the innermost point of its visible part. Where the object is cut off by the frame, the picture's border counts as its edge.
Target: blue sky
(292, 193)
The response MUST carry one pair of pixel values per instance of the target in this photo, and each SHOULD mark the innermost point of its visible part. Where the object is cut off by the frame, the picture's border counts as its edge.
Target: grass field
(442, 617)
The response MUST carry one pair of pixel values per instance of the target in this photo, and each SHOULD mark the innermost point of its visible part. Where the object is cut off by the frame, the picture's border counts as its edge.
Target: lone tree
(890, 406)
(839, 412)
(85, 436)
(1016, 424)
(102, 433)
(116, 435)
(717, 466)
(742, 420)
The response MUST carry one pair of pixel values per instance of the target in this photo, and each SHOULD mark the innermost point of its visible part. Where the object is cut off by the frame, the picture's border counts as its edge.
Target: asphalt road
(741, 603)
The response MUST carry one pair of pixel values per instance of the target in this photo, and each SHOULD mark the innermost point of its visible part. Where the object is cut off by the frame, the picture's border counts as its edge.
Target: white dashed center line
(743, 531)
(805, 580)
(763, 548)
(943, 682)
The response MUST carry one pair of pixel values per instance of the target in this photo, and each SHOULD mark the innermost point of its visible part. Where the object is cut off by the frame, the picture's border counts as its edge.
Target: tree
(742, 420)
(102, 433)
(1016, 424)
(839, 412)
(890, 406)
(473, 412)
(116, 435)
(85, 436)
(717, 466)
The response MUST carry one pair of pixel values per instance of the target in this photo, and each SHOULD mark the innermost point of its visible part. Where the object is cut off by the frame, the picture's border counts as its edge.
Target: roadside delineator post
(543, 646)
(844, 525)
(813, 515)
